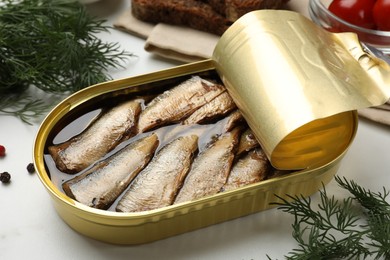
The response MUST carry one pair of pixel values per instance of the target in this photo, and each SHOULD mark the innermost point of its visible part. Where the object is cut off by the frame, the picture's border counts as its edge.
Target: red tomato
(381, 14)
(357, 12)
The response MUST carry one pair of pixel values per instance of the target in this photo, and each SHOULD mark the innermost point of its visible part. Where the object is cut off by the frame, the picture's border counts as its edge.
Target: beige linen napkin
(187, 45)
(181, 43)
(173, 42)
(128, 23)
(380, 114)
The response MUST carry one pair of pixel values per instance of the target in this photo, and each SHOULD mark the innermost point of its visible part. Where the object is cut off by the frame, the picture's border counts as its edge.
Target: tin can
(315, 132)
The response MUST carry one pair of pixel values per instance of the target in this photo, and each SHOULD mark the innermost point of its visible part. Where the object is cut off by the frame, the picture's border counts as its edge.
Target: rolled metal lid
(298, 86)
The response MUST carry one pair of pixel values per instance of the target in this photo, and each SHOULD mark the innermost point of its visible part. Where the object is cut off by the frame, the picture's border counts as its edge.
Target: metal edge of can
(143, 227)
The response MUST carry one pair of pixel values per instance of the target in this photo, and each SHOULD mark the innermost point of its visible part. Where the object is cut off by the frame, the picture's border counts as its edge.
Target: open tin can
(305, 119)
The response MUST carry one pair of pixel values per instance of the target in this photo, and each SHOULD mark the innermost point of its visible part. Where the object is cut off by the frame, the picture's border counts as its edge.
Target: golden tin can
(305, 78)
(247, 85)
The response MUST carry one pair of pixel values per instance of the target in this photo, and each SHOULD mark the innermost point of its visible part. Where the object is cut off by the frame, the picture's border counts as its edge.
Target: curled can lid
(297, 85)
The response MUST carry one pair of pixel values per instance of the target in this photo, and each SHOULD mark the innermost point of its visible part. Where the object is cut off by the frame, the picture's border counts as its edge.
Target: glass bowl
(319, 13)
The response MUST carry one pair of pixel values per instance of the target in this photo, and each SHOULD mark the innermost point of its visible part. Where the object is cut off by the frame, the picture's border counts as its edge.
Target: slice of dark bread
(218, 5)
(192, 13)
(234, 9)
(213, 16)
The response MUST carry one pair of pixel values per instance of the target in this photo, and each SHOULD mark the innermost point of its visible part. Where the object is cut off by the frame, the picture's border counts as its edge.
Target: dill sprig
(23, 106)
(356, 227)
(377, 212)
(52, 45)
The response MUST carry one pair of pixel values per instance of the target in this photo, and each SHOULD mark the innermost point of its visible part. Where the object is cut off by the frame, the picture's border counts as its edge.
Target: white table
(31, 229)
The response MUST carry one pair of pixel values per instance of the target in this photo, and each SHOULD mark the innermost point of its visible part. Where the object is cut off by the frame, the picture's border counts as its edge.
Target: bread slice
(193, 13)
(213, 16)
(234, 9)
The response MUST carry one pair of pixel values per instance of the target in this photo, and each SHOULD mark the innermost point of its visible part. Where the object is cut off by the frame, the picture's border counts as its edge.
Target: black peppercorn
(30, 168)
(5, 177)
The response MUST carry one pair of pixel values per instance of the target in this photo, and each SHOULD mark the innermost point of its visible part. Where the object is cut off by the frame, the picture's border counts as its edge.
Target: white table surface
(31, 229)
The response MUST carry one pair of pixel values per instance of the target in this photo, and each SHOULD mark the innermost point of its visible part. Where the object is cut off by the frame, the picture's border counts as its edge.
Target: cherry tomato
(381, 14)
(357, 12)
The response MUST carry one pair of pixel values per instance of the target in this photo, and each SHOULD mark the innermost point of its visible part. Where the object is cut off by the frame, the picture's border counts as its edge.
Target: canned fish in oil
(74, 113)
(98, 217)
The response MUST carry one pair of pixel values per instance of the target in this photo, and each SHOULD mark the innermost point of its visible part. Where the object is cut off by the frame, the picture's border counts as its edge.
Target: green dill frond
(353, 228)
(23, 106)
(52, 45)
(377, 214)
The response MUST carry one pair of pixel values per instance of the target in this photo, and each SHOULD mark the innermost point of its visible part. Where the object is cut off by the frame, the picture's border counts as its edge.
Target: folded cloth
(173, 42)
(181, 43)
(380, 114)
(128, 23)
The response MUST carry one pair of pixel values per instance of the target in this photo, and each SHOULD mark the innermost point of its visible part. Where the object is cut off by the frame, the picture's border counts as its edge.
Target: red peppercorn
(5, 177)
(2, 151)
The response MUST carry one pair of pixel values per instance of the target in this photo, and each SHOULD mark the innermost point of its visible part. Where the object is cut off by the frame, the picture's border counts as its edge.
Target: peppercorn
(2, 151)
(5, 177)
(30, 168)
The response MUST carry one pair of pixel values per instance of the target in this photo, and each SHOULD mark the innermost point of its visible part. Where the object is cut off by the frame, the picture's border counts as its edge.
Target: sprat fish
(251, 168)
(157, 185)
(178, 103)
(219, 106)
(248, 141)
(232, 120)
(99, 186)
(101, 136)
(210, 169)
